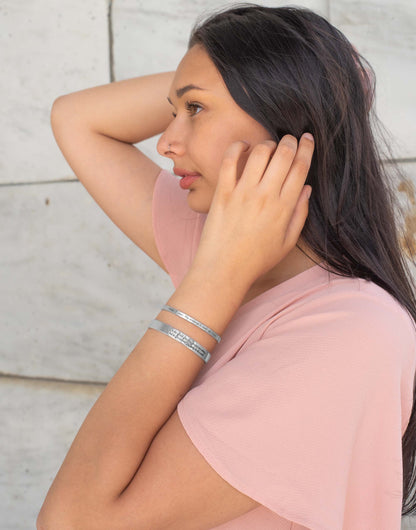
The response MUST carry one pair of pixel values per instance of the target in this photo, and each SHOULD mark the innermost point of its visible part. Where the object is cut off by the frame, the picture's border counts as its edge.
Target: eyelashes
(191, 107)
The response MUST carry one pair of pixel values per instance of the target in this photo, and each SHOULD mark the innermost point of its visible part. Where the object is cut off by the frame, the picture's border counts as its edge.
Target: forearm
(117, 432)
(95, 129)
(130, 110)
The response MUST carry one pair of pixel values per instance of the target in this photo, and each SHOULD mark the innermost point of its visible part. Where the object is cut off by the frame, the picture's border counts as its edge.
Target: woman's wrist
(211, 296)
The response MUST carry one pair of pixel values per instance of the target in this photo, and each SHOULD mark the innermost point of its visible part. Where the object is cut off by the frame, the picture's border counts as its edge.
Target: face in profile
(207, 120)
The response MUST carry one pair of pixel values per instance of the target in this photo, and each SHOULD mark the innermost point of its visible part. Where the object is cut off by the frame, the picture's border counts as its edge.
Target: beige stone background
(75, 293)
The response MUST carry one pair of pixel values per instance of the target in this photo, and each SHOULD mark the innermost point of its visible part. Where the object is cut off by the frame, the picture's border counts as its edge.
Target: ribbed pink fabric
(303, 404)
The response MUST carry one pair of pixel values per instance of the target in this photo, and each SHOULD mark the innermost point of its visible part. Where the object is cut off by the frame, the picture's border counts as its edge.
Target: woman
(280, 238)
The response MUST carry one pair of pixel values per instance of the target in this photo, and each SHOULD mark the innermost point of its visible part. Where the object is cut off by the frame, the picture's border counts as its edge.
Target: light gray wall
(76, 294)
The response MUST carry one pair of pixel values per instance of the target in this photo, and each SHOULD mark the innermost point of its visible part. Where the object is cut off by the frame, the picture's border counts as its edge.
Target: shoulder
(347, 315)
(361, 301)
(367, 304)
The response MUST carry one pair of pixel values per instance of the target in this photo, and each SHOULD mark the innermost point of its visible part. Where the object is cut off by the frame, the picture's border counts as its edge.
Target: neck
(294, 263)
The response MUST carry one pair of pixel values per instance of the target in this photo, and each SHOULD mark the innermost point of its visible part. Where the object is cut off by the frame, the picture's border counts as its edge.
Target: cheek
(209, 143)
(222, 141)
(208, 154)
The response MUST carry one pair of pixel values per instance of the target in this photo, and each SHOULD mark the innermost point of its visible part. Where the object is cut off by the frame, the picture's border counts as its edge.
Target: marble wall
(76, 294)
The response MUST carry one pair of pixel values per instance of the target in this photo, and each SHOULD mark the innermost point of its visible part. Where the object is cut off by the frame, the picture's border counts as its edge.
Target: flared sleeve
(308, 419)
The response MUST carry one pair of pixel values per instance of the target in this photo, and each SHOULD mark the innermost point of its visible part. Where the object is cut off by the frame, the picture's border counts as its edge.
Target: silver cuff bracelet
(181, 337)
(193, 321)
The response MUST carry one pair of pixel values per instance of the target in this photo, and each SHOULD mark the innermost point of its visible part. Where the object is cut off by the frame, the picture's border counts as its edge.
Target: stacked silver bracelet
(193, 321)
(181, 337)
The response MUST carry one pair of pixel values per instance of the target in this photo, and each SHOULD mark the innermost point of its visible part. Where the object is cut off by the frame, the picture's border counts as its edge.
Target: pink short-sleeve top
(304, 402)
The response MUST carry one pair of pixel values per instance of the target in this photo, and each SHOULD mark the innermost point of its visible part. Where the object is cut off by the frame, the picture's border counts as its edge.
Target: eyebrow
(181, 91)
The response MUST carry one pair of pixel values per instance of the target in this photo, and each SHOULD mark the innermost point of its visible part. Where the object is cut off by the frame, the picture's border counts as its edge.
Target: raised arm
(96, 129)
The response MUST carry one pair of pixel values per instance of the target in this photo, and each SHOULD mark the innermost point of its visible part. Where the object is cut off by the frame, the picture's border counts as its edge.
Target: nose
(171, 144)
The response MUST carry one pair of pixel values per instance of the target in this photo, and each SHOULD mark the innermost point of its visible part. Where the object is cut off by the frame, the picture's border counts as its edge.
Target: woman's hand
(255, 220)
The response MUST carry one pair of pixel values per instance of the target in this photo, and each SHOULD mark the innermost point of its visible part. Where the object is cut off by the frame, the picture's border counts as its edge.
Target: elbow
(57, 522)
(39, 524)
(56, 111)
(64, 112)
(42, 521)
(46, 520)
(57, 516)
(42, 518)
(63, 516)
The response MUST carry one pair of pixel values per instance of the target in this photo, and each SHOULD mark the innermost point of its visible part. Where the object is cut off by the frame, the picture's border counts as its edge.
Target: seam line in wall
(4, 375)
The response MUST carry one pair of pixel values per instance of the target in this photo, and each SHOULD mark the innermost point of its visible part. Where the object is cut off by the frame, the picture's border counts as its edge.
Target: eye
(191, 108)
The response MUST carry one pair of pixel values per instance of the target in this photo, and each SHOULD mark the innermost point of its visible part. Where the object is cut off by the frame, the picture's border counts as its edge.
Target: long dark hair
(293, 72)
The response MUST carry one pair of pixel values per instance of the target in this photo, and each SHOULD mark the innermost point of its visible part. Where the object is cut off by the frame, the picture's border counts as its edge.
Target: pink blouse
(304, 402)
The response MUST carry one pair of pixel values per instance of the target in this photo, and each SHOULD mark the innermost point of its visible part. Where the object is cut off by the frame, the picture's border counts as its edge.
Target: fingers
(228, 174)
(257, 163)
(279, 165)
(277, 169)
(296, 177)
(274, 166)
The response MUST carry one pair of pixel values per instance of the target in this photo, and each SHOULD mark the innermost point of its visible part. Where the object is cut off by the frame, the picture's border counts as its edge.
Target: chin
(197, 203)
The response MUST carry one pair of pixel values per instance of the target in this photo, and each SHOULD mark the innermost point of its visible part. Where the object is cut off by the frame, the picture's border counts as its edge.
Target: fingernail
(308, 136)
(308, 192)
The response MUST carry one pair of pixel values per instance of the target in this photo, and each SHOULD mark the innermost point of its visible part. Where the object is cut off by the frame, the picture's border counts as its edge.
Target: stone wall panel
(48, 49)
(385, 34)
(77, 294)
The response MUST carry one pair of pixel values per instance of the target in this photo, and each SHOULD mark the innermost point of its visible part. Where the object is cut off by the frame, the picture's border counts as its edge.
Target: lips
(188, 177)
(186, 181)
(185, 173)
